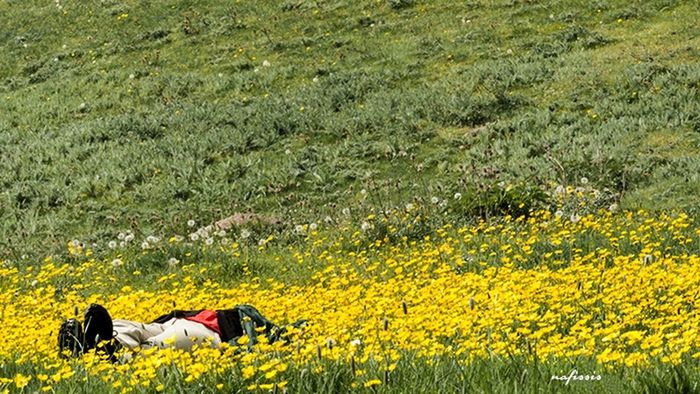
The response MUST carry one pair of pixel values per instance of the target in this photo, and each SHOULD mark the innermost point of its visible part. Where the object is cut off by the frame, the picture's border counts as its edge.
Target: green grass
(130, 115)
(123, 115)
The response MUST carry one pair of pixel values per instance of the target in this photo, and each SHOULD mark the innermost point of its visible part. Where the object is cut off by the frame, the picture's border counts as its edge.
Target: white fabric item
(178, 333)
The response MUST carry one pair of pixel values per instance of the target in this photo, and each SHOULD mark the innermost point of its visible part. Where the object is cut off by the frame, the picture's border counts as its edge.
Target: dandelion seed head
(152, 239)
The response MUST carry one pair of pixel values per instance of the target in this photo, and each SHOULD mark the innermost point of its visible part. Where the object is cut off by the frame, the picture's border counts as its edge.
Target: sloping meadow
(175, 113)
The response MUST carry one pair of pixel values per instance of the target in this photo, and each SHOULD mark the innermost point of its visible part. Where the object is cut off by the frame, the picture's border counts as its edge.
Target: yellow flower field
(544, 287)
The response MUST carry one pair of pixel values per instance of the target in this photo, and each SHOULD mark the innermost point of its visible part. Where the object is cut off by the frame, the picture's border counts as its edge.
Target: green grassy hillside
(143, 115)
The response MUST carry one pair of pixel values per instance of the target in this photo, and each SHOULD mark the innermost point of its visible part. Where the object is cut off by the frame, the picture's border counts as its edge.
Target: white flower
(458, 196)
(299, 229)
(287, 152)
(194, 237)
(190, 223)
(328, 220)
(145, 245)
(613, 207)
(356, 342)
(132, 76)
(346, 211)
(363, 192)
(112, 244)
(313, 226)
(261, 242)
(221, 233)
(266, 63)
(435, 200)
(584, 181)
(245, 233)
(34, 283)
(365, 226)
(209, 241)
(117, 262)
(173, 261)
(561, 190)
(559, 213)
(129, 237)
(75, 243)
(574, 218)
(121, 236)
(152, 239)
(122, 244)
(409, 207)
(315, 79)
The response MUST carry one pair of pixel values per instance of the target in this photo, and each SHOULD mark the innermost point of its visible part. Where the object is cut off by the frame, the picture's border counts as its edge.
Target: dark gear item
(98, 326)
(70, 338)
